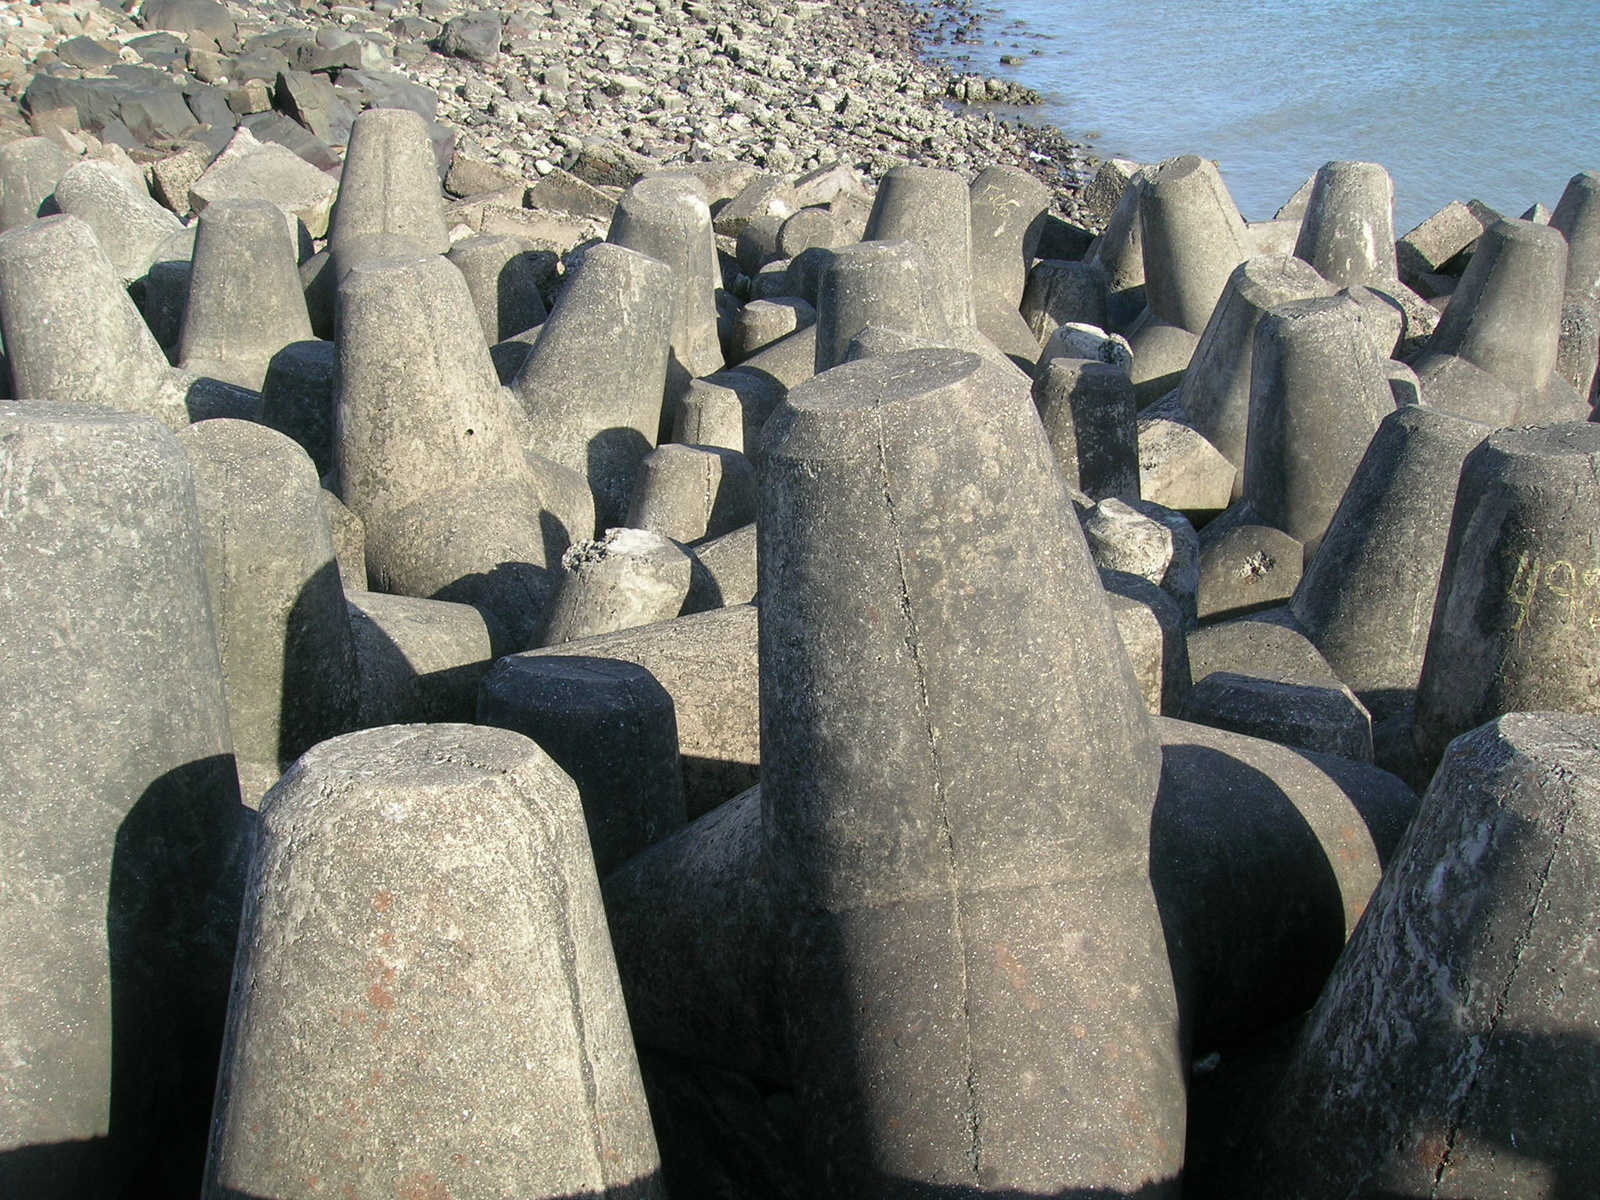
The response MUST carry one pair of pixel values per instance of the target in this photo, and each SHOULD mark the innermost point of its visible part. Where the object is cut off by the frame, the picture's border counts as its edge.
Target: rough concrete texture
(610, 726)
(130, 227)
(1008, 208)
(1577, 216)
(1317, 395)
(288, 655)
(1192, 237)
(1436, 241)
(124, 836)
(707, 663)
(420, 660)
(1505, 320)
(349, 542)
(690, 493)
(425, 999)
(724, 571)
(1059, 293)
(245, 300)
(628, 578)
(883, 576)
(1246, 569)
(1118, 254)
(1263, 858)
(299, 397)
(1313, 714)
(431, 448)
(888, 284)
(1088, 414)
(694, 930)
(72, 334)
(762, 322)
(389, 200)
(1262, 643)
(1512, 628)
(931, 208)
(1074, 339)
(1366, 600)
(1141, 539)
(30, 168)
(1452, 1052)
(726, 409)
(1215, 392)
(667, 218)
(1151, 627)
(592, 388)
(1347, 233)
(1178, 467)
(504, 286)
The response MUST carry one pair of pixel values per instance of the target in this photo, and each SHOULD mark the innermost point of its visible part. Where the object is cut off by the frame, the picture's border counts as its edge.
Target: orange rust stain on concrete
(383, 901)
(1016, 975)
(422, 1186)
(380, 997)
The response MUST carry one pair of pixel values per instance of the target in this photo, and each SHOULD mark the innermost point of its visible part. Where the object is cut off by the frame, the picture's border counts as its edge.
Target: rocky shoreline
(609, 89)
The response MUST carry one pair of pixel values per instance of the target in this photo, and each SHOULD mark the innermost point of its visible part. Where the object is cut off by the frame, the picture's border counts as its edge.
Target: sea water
(1460, 99)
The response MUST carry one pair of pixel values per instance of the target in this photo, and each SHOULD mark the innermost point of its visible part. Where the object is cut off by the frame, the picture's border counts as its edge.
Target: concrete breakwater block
(1088, 412)
(881, 583)
(121, 833)
(288, 655)
(425, 997)
(431, 448)
(1452, 1051)
(1512, 628)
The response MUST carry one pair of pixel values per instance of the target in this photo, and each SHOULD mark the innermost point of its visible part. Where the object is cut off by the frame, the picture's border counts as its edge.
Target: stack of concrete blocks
(719, 605)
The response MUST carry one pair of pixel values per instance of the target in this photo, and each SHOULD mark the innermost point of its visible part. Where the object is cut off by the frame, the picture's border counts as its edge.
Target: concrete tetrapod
(1192, 238)
(1577, 216)
(1366, 599)
(501, 278)
(1317, 395)
(288, 655)
(1347, 232)
(1008, 207)
(1118, 256)
(389, 202)
(628, 578)
(886, 284)
(932, 209)
(30, 168)
(245, 301)
(123, 834)
(130, 227)
(1493, 357)
(1516, 627)
(72, 333)
(690, 493)
(593, 386)
(1215, 392)
(1453, 1052)
(424, 1001)
(431, 448)
(944, 1037)
(1262, 857)
(1088, 413)
(666, 217)
(610, 726)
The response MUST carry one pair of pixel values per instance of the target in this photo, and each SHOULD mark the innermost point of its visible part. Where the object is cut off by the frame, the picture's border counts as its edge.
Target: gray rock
(592, 389)
(474, 35)
(245, 301)
(252, 170)
(1511, 630)
(314, 103)
(436, 879)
